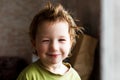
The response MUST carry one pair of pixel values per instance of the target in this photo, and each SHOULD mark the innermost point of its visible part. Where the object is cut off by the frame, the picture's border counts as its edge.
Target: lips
(53, 55)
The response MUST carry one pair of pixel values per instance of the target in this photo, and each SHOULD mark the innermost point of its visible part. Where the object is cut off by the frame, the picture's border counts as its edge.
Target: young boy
(52, 34)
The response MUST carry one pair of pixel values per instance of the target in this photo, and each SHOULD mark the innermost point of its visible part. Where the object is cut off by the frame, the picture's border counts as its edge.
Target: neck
(58, 68)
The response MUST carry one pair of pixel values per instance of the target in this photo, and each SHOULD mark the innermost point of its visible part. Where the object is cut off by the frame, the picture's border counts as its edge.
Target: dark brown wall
(88, 12)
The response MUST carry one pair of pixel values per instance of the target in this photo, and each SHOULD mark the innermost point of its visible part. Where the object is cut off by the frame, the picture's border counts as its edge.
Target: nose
(54, 46)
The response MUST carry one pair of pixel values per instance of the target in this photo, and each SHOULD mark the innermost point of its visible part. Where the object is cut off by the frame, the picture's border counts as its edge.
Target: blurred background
(100, 18)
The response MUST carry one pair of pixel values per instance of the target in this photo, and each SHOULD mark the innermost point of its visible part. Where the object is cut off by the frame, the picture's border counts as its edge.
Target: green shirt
(35, 72)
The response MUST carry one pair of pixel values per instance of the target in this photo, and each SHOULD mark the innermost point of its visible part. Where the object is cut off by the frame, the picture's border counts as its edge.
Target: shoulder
(31, 68)
(73, 75)
(29, 72)
(71, 69)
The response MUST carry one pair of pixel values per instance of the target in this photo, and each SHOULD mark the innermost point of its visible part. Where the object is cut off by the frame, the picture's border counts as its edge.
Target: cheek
(39, 46)
(41, 49)
(67, 48)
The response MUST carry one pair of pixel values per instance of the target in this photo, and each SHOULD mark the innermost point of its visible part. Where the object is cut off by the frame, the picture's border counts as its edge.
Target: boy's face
(53, 42)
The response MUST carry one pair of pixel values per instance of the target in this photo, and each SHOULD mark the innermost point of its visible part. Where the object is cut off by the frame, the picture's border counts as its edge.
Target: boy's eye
(45, 40)
(62, 39)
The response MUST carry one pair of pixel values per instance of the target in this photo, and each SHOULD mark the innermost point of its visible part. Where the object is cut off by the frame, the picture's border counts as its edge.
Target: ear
(71, 42)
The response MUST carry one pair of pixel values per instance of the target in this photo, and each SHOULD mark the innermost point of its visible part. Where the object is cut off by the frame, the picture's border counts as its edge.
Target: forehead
(50, 25)
(58, 28)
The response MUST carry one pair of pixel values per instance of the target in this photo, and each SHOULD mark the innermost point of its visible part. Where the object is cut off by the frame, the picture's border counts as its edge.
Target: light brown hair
(53, 13)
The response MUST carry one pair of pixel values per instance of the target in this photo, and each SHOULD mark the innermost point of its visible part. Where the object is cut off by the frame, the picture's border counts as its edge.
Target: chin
(56, 62)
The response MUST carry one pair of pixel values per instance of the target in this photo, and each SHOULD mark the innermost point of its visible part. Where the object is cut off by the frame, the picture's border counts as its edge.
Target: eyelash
(45, 40)
(60, 40)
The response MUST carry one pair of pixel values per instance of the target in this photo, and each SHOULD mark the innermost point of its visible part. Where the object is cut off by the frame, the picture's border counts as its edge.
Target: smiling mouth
(53, 55)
